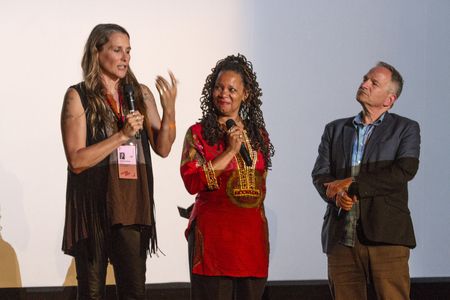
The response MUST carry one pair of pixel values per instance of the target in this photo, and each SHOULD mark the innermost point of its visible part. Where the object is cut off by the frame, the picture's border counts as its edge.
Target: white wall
(309, 57)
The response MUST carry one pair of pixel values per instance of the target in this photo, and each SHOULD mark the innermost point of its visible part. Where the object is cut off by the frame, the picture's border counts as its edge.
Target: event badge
(127, 161)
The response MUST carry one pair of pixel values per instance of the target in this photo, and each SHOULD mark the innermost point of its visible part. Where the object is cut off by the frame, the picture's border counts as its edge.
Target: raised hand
(167, 91)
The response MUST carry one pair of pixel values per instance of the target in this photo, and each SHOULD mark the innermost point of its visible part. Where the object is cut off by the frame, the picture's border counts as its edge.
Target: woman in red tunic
(225, 163)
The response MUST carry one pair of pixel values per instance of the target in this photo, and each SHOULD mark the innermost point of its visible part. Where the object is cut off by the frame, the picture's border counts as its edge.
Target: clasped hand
(235, 138)
(338, 190)
(133, 123)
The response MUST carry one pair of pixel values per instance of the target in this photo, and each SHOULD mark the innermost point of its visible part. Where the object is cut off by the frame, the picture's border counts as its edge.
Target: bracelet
(171, 125)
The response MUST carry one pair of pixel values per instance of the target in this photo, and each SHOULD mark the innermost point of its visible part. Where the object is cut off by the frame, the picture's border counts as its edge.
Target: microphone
(351, 192)
(243, 151)
(129, 95)
(341, 211)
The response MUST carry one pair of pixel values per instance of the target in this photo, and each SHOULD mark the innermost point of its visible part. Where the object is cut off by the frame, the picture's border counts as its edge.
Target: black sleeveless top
(87, 219)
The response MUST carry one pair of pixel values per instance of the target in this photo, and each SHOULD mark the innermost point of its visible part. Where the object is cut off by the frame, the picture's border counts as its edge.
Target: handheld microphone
(243, 151)
(352, 190)
(129, 95)
(341, 211)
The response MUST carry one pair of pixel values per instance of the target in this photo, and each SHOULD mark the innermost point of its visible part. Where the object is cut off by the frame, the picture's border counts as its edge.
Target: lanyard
(117, 112)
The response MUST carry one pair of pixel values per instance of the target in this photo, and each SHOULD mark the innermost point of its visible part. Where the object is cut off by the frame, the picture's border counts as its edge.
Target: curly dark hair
(250, 110)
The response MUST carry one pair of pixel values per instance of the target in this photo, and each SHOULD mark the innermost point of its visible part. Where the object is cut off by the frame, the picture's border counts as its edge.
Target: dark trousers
(383, 268)
(128, 257)
(226, 288)
(222, 287)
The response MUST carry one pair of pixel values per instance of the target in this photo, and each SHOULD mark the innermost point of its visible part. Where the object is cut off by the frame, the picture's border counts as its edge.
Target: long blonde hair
(97, 108)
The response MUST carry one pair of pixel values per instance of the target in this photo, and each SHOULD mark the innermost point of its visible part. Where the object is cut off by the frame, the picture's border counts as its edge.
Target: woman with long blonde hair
(109, 122)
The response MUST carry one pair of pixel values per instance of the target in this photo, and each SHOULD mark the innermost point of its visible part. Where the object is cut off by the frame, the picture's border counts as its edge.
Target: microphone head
(128, 89)
(230, 123)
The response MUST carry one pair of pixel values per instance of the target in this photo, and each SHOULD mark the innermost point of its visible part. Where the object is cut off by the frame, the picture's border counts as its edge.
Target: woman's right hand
(235, 139)
(133, 123)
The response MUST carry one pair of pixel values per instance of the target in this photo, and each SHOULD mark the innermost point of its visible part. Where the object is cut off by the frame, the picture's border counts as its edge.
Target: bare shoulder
(147, 93)
(72, 107)
(149, 99)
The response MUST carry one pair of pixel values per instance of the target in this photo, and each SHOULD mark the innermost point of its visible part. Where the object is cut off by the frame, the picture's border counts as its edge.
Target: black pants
(222, 287)
(127, 253)
(226, 288)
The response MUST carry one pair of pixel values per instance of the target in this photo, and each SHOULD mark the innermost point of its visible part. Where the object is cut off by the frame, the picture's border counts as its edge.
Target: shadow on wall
(11, 204)
(9, 266)
(71, 276)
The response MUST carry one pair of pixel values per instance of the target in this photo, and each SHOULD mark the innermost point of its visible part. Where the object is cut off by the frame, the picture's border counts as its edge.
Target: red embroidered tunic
(231, 232)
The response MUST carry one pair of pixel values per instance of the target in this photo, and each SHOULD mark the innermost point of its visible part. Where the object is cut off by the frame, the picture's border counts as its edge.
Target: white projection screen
(309, 56)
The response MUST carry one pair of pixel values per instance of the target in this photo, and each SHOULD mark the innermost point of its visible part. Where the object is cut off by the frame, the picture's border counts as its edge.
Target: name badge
(127, 161)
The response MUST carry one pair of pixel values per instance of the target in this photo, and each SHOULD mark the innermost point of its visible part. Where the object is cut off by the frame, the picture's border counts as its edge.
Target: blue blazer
(390, 160)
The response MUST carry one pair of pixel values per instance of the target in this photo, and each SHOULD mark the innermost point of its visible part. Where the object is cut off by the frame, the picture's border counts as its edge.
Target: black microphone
(129, 95)
(352, 190)
(243, 151)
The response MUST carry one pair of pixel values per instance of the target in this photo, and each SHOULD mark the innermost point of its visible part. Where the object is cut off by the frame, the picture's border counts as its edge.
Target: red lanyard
(117, 112)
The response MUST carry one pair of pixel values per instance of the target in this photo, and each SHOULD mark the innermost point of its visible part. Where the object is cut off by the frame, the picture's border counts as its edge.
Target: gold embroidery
(210, 176)
(244, 186)
(189, 149)
(198, 247)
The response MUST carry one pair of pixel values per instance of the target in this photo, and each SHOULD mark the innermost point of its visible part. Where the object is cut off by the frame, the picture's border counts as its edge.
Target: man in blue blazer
(362, 172)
